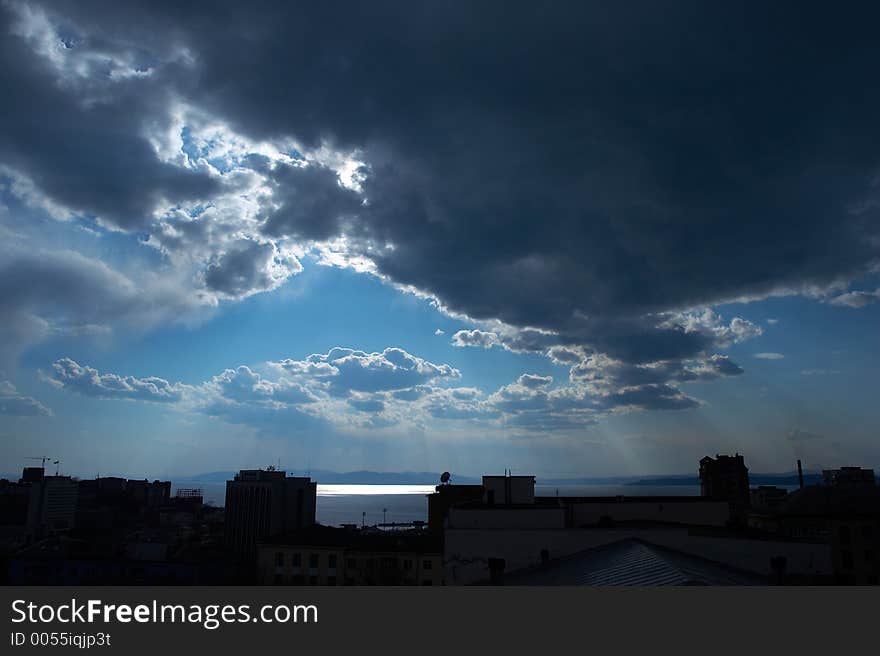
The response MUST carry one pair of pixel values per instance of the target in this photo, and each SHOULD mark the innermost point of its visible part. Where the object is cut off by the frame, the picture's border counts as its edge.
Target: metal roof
(631, 562)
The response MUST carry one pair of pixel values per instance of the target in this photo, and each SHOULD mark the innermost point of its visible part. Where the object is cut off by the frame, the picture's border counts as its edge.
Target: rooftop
(631, 562)
(830, 501)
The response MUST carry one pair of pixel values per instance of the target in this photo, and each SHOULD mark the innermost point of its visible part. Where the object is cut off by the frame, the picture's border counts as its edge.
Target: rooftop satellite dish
(445, 476)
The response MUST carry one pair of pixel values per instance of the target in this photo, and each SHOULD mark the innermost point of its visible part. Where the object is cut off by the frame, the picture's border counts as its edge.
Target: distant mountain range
(781, 479)
(364, 477)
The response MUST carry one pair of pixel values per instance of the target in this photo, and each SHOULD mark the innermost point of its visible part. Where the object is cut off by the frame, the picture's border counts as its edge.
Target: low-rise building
(482, 541)
(849, 477)
(324, 555)
(508, 490)
(847, 517)
(475, 556)
(445, 497)
(767, 497)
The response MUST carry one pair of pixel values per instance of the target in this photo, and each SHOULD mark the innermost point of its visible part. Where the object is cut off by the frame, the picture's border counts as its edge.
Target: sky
(569, 239)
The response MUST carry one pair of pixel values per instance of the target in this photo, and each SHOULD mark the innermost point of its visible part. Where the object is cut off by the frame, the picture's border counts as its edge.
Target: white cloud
(475, 337)
(769, 356)
(87, 381)
(856, 299)
(710, 322)
(13, 403)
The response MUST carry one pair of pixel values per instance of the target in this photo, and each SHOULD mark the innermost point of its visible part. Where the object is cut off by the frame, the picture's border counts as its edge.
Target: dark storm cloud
(650, 397)
(247, 267)
(84, 145)
(582, 168)
(613, 161)
(312, 203)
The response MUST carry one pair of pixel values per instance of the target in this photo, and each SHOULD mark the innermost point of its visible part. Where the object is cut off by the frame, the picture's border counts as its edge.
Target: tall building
(262, 503)
(726, 478)
(52, 505)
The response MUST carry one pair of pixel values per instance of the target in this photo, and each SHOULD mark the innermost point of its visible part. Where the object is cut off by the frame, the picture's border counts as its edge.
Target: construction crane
(43, 460)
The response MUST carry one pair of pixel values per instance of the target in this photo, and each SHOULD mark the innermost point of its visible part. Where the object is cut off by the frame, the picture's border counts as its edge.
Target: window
(843, 533)
(407, 564)
(869, 555)
(331, 561)
(279, 559)
(297, 560)
(867, 531)
(427, 564)
(351, 563)
(846, 559)
(313, 560)
(388, 563)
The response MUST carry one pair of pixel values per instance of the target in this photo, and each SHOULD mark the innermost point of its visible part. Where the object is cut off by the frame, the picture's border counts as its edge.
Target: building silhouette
(149, 494)
(266, 502)
(846, 517)
(767, 497)
(849, 477)
(447, 496)
(51, 505)
(726, 478)
(509, 489)
(325, 555)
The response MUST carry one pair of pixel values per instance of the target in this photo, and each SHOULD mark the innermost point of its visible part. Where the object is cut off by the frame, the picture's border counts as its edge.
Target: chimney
(800, 475)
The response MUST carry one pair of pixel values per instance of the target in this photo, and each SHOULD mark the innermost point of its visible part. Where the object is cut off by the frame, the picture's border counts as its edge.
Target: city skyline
(593, 241)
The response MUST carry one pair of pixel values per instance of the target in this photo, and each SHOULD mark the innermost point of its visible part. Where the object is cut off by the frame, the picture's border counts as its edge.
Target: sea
(375, 504)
